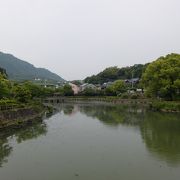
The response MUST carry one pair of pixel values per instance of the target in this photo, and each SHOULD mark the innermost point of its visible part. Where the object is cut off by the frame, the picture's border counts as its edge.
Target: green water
(94, 142)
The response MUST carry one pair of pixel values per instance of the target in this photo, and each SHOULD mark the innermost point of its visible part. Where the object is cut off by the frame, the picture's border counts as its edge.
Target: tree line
(159, 79)
(26, 91)
(114, 73)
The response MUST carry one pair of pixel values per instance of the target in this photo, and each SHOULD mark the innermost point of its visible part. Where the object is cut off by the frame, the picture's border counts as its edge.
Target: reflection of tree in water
(32, 132)
(5, 150)
(26, 133)
(161, 134)
(160, 131)
(114, 115)
(68, 109)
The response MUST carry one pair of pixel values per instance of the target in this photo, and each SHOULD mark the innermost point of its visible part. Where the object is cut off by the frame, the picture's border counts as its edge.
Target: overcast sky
(78, 38)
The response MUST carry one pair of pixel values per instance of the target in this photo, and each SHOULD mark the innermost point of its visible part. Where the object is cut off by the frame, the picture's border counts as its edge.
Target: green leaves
(22, 93)
(67, 90)
(162, 77)
(4, 87)
(118, 87)
(114, 73)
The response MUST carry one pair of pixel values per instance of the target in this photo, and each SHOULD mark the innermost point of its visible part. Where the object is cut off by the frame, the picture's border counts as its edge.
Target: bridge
(54, 100)
(61, 99)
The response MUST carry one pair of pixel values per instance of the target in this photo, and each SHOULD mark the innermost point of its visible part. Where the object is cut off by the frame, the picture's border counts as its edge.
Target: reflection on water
(29, 131)
(5, 149)
(115, 115)
(160, 132)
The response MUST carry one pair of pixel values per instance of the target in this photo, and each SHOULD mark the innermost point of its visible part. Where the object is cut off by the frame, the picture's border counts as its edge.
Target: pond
(94, 142)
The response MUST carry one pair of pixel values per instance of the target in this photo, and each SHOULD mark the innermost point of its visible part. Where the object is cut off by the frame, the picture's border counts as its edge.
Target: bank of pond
(153, 104)
(16, 114)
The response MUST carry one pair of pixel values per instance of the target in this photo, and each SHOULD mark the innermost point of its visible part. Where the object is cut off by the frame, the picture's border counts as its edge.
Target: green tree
(35, 90)
(109, 91)
(60, 91)
(5, 87)
(92, 92)
(162, 77)
(119, 87)
(22, 93)
(67, 90)
(115, 73)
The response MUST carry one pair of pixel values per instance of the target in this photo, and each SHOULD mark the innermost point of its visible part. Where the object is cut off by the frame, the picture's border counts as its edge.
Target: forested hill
(114, 73)
(21, 70)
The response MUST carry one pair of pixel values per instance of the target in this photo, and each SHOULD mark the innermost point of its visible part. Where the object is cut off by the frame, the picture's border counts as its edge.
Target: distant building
(86, 85)
(132, 81)
(37, 79)
(107, 84)
(98, 87)
(139, 90)
(75, 88)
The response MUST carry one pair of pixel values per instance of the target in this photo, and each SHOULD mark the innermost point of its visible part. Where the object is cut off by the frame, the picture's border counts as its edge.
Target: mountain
(19, 70)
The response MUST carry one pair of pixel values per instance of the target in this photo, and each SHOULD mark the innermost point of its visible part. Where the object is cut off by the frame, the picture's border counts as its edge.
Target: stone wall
(18, 116)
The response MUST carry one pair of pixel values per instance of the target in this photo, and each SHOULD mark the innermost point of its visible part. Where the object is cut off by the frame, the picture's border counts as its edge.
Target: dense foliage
(115, 73)
(117, 88)
(91, 92)
(21, 92)
(67, 90)
(162, 77)
(5, 86)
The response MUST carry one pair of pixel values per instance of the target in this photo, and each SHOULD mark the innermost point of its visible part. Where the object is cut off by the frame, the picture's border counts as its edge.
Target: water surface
(94, 142)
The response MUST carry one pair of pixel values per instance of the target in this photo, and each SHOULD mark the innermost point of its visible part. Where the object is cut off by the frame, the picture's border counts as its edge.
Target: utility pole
(132, 80)
(45, 83)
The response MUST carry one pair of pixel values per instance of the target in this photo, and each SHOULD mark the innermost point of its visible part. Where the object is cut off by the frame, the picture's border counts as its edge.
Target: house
(98, 87)
(139, 90)
(86, 85)
(107, 84)
(75, 88)
(132, 81)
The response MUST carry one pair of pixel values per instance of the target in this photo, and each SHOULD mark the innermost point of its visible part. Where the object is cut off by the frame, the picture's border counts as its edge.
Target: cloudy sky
(78, 38)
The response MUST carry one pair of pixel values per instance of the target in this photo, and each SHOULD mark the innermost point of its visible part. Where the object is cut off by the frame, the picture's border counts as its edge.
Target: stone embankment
(19, 116)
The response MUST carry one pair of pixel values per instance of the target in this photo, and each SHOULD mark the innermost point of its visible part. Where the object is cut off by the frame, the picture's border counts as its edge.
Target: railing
(7, 107)
(54, 100)
(99, 99)
(113, 100)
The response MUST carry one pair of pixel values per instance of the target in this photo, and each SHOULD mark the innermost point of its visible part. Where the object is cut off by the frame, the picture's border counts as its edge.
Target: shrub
(125, 96)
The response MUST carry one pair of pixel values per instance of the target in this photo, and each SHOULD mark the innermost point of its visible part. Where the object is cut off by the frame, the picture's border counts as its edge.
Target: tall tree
(162, 77)
(5, 86)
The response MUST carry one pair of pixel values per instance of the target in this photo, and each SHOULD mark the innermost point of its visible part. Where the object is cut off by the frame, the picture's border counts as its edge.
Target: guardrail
(7, 107)
(99, 99)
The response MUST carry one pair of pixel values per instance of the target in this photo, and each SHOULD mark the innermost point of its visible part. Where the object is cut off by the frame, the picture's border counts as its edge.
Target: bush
(5, 102)
(125, 96)
(134, 96)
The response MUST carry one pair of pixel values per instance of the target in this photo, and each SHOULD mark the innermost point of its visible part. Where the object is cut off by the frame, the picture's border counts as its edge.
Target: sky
(79, 38)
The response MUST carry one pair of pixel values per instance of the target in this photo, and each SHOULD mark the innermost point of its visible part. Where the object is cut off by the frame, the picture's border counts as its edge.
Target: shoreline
(19, 116)
(152, 104)
(16, 117)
